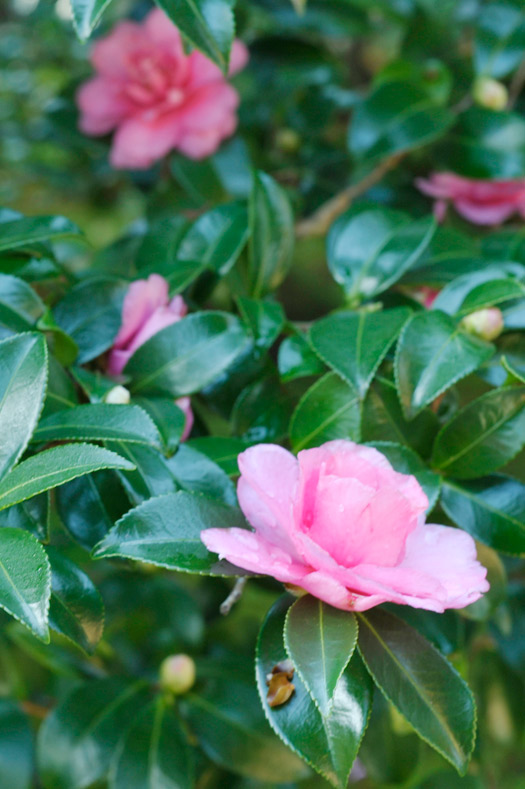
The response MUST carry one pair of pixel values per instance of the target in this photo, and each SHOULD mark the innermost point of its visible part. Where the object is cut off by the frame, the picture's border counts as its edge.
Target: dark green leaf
(31, 230)
(271, 234)
(20, 307)
(432, 354)
(91, 314)
(16, 747)
(396, 117)
(25, 580)
(23, 378)
(491, 509)
(420, 683)
(296, 359)
(355, 343)
(196, 473)
(229, 722)
(154, 753)
(31, 515)
(188, 355)
(151, 475)
(329, 409)
(216, 238)
(55, 467)
(76, 609)
(166, 531)
(320, 640)
(168, 418)
(483, 436)
(370, 248)
(265, 320)
(86, 14)
(208, 24)
(99, 422)
(500, 38)
(77, 740)
(223, 451)
(328, 743)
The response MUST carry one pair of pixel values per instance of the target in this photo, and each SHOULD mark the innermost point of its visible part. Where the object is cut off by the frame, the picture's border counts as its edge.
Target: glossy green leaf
(296, 359)
(406, 461)
(166, 531)
(232, 730)
(330, 743)
(25, 580)
(491, 509)
(476, 289)
(370, 248)
(78, 738)
(16, 747)
(320, 640)
(154, 753)
(216, 238)
(420, 683)
(483, 436)
(54, 467)
(432, 354)
(329, 409)
(486, 144)
(76, 609)
(208, 24)
(197, 473)
(99, 422)
(151, 475)
(223, 451)
(383, 420)
(91, 313)
(355, 343)
(31, 515)
(168, 418)
(29, 230)
(86, 14)
(396, 117)
(271, 234)
(89, 506)
(500, 38)
(23, 378)
(265, 320)
(188, 355)
(20, 306)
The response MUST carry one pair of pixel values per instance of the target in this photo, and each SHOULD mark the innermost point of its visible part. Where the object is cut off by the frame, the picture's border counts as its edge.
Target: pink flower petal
(139, 142)
(184, 403)
(102, 106)
(111, 55)
(142, 299)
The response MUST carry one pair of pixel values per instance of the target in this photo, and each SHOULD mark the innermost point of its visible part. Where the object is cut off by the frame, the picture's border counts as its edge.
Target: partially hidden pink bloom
(340, 523)
(147, 309)
(479, 201)
(425, 295)
(156, 97)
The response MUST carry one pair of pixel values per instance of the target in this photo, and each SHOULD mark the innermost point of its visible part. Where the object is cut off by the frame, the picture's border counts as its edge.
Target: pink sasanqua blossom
(340, 523)
(155, 96)
(479, 201)
(147, 309)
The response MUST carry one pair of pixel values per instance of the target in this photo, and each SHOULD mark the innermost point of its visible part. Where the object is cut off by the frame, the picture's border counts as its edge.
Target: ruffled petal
(102, 106)
(140, 142)
(143, 298)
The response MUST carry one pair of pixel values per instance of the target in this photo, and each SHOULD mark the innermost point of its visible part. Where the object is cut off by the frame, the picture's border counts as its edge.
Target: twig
(516, 85)
(320, 221)
(234, 596)
(34, 710)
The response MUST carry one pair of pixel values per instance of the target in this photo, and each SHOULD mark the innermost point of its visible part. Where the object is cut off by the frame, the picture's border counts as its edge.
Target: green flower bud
(177, 674)
(486, 324)
(490, 93)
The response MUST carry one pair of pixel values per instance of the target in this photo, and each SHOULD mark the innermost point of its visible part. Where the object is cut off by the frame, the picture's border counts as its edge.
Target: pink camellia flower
(425, 295)
(147, 309)
(156, 97)
(340, 523)
(479, 201)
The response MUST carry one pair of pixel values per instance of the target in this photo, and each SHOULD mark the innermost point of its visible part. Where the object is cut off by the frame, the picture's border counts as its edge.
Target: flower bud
(287, 140)
(486, 324)
(490, 93)
(177, 673)
(119, 395)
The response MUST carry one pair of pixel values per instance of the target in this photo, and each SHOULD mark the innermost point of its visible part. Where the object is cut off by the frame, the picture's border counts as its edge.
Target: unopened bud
(177, 673)
(119, 395)
(486, 324)
(287, 140)
(490, 93)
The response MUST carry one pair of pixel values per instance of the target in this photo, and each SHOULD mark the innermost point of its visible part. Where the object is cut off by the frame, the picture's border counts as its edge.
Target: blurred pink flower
(481, 202)
(146, 310)
(425, 295)
(156, 97)
(340, 523)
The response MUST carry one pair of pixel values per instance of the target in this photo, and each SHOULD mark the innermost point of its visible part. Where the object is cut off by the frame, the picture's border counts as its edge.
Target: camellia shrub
(262, 394)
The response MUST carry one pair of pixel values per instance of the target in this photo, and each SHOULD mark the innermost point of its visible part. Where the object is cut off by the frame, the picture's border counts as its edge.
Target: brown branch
(234, 596)
(516, 85)
(319, 223)
(34, 710)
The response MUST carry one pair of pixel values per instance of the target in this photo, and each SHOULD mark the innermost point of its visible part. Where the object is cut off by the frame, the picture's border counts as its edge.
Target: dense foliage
(327, 300)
